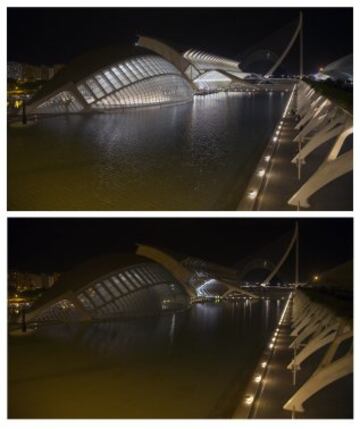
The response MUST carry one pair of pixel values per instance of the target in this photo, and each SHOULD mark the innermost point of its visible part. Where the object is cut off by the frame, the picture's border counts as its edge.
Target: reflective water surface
(193, 364)
(194, 156)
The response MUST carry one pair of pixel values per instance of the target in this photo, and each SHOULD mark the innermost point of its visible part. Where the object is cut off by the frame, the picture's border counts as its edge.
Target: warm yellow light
(257, 378)
(249, 399)
(267, 158)
(252, 194)
(263, 364)
(316, 277)
(261, 172)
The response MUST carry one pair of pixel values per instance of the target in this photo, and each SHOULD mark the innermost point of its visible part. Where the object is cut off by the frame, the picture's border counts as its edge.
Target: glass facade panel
(112, 288)
(156, 90)
(86, 93)
(143, 70)
(138, 276)
(94, 296)
(130, 77)
(125, 281)
(120, 75)
(113, 79)
(64, 102)
(95, 88)
(105, 294)
(85, 301)
(149, 280)
(104, 83)
(130, 275)
(122, 286)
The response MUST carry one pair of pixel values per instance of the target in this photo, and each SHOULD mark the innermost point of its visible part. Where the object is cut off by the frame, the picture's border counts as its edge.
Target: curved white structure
(321, 122)
(113, 79)
(204, 61)
(182, 275)
(287, 49)
(316, 326)
(283, 258)
(107, 287)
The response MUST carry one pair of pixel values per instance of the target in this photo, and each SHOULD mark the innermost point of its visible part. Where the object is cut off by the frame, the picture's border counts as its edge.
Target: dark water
(184, 365)
(195, 156)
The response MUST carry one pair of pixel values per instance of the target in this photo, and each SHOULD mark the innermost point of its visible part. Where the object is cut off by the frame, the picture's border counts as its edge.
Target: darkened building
(111, 286)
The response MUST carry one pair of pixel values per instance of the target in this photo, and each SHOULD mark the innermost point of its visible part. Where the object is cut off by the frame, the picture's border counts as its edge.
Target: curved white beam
(327, 375)
(339, 143)
(329, 119)
(316, 344)
(181, 274)
(327, 172)
(282, 260)
(320, 138)
(287, 49)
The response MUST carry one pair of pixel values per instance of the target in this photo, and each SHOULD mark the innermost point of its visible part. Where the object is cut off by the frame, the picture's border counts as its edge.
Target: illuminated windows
(86, 93)
(138, 81)
(95, 88)
(156, 90)
(104, 83)
(64, 102)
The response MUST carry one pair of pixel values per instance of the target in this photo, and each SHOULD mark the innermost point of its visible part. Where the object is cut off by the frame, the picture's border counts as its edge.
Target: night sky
(57, 35)
(45, 245)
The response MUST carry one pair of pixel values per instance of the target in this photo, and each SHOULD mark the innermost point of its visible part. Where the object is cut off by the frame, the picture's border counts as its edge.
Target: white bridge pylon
(277, 267)
(298, 31)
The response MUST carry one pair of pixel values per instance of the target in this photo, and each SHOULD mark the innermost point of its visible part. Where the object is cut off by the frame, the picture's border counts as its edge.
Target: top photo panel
(199, 109)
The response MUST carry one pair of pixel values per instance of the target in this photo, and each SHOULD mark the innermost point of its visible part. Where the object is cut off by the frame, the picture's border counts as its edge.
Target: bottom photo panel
(180, 318)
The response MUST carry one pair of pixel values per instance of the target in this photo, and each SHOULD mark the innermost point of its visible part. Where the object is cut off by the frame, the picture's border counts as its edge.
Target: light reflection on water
(197, 355)
(195, 156)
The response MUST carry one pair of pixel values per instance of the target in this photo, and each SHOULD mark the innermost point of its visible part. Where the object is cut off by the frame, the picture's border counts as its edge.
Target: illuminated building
(29, 72)
(111, 286)
(146, 74)
(24, 281)
(14, 70)
(112, 78)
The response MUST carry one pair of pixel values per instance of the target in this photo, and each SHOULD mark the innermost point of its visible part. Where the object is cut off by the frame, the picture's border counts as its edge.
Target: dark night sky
(57, 35)
(59, 244)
